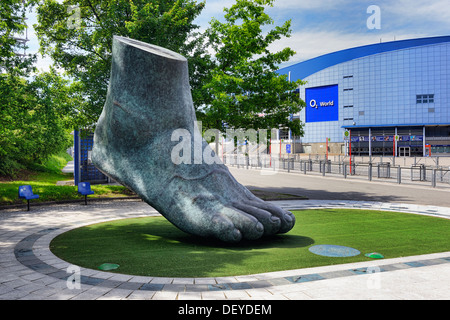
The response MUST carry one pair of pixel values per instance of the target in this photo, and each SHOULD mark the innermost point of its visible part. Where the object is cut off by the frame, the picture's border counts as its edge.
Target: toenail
(236, 234)
(259, 227)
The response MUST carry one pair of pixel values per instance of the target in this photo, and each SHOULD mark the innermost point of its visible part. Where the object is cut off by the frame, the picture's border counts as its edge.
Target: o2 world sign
(322, 104)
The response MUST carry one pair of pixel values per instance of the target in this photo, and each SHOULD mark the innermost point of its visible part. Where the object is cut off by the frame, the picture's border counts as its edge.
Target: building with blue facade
(389, 98)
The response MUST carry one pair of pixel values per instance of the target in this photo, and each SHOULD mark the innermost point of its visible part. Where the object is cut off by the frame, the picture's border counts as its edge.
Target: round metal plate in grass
(329, 250)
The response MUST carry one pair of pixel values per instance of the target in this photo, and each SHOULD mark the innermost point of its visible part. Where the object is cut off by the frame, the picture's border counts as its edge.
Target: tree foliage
(247, 92)
(78, 35)
(32, 109)
(236, 87)
(33, 120)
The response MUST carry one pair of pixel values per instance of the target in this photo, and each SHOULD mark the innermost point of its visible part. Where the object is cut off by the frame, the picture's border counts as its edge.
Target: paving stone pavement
(29, 271)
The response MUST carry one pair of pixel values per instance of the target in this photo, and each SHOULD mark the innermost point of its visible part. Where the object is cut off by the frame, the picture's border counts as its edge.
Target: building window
(348, 77)
(348, 119)
(284, 134)
(348, 89)
(349, 106)
(425, 98)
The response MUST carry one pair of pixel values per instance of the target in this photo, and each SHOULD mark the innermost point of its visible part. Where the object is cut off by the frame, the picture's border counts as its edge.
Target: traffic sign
(346, 135)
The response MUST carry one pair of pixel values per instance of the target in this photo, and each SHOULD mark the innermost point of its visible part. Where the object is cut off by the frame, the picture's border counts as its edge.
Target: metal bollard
(433, 178)
(370, 172)
(399, 175)
(345, 171)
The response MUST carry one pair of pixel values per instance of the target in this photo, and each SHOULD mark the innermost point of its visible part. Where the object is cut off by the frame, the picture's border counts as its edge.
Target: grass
(43, 179)
(154, 247)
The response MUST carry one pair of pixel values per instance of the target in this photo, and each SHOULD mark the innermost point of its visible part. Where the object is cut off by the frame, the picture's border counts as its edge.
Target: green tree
(34, 120)
(33, 109)
(78, 35)
(12, 86)
(247, 92)
(52, 103)
(12, 25)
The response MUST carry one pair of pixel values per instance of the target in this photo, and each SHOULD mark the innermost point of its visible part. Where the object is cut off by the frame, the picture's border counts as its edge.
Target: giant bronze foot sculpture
(148, 99)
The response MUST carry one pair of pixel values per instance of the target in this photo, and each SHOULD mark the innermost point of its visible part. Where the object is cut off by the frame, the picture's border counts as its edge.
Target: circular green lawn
(154, 247)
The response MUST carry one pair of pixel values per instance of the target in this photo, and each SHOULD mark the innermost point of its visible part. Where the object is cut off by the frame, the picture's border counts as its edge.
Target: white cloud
(216, 7)
(212, 9)
(313, 43)
(43, 64)
(420, 10)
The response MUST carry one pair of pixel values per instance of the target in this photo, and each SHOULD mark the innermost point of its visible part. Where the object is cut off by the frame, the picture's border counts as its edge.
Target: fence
(387, 170)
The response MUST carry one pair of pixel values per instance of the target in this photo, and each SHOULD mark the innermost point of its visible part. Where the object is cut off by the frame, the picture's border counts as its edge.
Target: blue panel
(288, 148)
(322, 104)
(84, 170)
(76, 157)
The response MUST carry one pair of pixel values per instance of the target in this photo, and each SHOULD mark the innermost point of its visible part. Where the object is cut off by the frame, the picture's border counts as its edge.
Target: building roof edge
(306, 68)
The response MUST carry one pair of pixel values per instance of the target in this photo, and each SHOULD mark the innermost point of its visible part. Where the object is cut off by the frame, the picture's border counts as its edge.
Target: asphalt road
(316, 187)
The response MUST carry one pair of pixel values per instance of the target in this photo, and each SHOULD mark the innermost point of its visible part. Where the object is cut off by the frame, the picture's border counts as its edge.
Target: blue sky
(324, 26)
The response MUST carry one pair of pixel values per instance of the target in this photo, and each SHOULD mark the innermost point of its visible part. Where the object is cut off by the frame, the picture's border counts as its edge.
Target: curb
(53, 203)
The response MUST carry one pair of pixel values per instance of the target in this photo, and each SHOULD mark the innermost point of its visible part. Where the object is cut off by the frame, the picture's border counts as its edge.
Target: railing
(388, 171)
